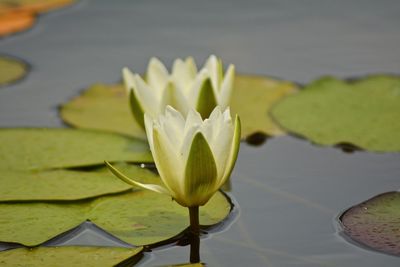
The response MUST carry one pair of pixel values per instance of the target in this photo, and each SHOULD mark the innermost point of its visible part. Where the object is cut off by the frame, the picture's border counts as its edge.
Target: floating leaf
(15, 21)
(106, 107)
(375, 223)
(138, 217)
(36, 6)
(11, 69)
(38, 149)
(19, 15)
(67, 256)
(102, 107)
(329, 111)
(16, 185)
(253, 97)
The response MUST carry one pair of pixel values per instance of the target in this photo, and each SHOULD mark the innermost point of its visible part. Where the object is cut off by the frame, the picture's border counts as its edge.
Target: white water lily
(194, 157)
(184, 89)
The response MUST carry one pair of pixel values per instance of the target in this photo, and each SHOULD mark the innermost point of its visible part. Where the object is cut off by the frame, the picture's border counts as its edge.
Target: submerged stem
(194, 236)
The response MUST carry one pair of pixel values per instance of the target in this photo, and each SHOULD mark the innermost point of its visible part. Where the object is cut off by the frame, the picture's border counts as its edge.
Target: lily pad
(106, 107)
(13, 21)
(137, 217)
(67, 256)
(11, 69)
(62, 185)
(375, 223)
(39, 149)
(36, 6)
(364, 112)
(253, 97)
(102, 107)
(19, 15)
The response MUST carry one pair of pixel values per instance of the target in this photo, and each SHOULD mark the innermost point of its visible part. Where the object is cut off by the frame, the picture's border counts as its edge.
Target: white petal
(145, 96)
(191, 66)
(169, 163)
(193, 93)
(212, 67)
(157, 75)
(128, 78)
(184, 150)
(226, 89)
(148, 123)
(192, 126)
(233, 152)
(182, 75)
(218, 130)
(173, 96)
(227, 115)
(174, 126)
(193, 119)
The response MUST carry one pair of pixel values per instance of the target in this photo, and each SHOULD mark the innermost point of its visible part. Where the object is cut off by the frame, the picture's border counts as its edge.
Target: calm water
(289, 192)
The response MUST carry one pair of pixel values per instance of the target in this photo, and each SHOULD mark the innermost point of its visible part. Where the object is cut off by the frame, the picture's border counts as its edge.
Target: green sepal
(206, 101)
(126, 179)
(136, 108)
(200, 171)
(234, 151)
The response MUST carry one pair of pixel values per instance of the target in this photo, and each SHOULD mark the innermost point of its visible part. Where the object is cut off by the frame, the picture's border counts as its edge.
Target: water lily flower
(184, 88)
(194, 157)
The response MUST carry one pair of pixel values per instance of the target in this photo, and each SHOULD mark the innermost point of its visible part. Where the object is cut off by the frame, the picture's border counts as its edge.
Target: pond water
(288, 192)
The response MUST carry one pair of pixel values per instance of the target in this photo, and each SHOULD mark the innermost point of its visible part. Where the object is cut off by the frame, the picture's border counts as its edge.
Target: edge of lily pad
(205, 230)
(78, 93)
(346, 147)
(36, 18)
(258, 138)
(26, 65)
(342, 233)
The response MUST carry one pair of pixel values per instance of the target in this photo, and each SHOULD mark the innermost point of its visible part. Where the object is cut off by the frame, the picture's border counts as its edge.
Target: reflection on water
(289, 192)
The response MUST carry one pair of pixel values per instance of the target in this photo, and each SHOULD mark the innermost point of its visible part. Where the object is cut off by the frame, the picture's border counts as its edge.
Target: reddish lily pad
(19, 15)
(375, 223)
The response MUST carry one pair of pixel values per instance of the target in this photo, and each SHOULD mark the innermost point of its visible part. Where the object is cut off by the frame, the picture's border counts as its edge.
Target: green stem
(194, 235)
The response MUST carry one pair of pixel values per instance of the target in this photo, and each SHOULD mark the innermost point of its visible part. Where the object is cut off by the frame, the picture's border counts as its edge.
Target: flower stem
(194, 235)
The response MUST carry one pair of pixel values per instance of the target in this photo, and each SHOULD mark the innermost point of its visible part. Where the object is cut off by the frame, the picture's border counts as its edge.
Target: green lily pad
(38, 149)
(137, 217)
(11, 70)
(106, 107)
(375, 223)
(67, 256)
(102, 107)
(253, 97)
(364, 113)
(59, 185)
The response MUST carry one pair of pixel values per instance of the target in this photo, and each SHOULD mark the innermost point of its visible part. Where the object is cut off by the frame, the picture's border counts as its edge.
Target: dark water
(289, 192)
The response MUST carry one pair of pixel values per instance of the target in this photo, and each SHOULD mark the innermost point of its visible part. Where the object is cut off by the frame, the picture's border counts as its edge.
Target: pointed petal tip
(126, 70)
(124, 178)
